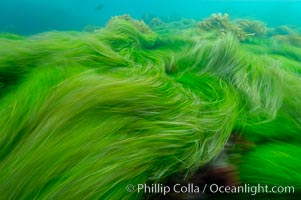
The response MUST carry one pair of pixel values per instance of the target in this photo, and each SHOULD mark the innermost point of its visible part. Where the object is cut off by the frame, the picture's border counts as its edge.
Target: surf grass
(84, 114)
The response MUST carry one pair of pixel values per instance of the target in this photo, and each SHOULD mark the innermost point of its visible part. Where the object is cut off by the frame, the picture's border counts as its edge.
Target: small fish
(99, 7)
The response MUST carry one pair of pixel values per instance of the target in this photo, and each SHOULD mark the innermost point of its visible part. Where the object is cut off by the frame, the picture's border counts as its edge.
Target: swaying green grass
(83, 115)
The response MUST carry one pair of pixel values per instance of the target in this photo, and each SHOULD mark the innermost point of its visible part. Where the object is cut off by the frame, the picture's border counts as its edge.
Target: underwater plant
(155, 22)
(221, 24)
(252, 27)
(294, 40)
(241, 28)
(139, 24)
(282, 30)
(85, 114)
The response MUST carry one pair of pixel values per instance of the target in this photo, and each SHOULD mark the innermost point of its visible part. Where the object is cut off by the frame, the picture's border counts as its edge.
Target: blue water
(33, 16)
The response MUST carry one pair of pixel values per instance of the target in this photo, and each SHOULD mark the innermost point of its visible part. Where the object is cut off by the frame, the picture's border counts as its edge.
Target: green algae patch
(84, 114)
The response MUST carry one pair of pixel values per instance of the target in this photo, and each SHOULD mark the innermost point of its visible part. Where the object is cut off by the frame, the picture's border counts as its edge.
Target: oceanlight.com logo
(210, 188)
